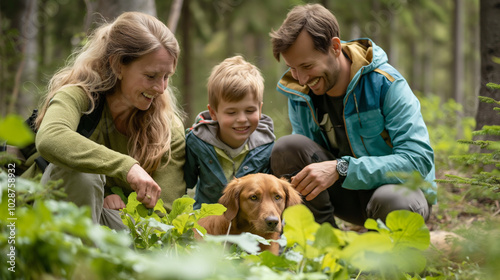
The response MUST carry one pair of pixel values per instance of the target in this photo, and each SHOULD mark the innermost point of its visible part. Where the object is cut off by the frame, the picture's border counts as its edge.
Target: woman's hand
(148, 191)
(114, 201)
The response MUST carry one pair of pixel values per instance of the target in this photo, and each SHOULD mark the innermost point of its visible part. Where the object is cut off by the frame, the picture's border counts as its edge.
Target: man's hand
(114, 201)
(148, 191)
(315, 178)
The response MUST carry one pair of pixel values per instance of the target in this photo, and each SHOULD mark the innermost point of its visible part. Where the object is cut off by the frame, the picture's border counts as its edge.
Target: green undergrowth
(57, 240)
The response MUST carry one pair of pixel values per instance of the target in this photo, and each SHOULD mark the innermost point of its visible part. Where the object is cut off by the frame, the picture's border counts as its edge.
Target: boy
(232, 138)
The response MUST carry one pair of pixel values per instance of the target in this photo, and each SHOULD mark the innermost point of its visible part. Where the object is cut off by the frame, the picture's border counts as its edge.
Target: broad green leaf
(132, 203)
(211, 209)
(270, 260)
(143, 211)
(179, 206)
(15, 131)
(331, 261)
(361, 251)
(409, 259)
(246, 241)
(180, 222)
(300, 226)
(156, 224)
(159, 207)
(377, 225)
(326, 238)
(408, 229)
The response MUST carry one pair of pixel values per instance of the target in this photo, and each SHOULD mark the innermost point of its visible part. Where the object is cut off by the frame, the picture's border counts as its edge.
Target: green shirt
(230, 164)
(105, 151)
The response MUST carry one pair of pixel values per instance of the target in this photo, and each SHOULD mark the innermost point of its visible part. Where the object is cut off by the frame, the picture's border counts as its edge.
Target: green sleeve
(59, 143)
(170, 176)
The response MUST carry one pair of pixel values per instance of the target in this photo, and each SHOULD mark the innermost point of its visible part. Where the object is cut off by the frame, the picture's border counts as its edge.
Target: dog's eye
(253, 197)
(277, 197)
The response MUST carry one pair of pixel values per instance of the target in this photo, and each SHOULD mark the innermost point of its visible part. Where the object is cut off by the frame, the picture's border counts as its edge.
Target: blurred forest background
(435, 44)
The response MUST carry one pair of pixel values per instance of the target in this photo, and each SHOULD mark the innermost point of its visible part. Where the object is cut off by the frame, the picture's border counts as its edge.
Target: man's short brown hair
(318, 21)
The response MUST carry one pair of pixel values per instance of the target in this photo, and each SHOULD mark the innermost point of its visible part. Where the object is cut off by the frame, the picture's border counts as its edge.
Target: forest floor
(458, 208)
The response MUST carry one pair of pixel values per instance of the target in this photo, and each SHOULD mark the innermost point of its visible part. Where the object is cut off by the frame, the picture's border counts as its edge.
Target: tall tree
(187, 85)
(458, 60)
(26, 44)
(490, 70)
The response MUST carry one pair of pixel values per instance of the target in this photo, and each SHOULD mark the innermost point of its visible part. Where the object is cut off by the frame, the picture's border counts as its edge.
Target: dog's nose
(272, 222)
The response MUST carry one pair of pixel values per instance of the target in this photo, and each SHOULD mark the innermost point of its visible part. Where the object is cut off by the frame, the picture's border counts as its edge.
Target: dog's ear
(292, 196)
(231, 199)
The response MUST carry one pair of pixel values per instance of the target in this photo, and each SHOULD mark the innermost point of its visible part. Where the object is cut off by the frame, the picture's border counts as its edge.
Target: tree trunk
(186, 61)
(458, 62)
(174, 15)
(27, 46)
(490, 71)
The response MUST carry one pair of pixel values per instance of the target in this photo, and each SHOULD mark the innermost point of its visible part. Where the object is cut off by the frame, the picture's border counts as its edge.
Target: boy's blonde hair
(232, 80)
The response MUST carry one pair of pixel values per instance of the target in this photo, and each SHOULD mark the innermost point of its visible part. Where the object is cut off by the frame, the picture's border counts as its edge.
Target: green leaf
(180, 222)
(269, 259)
(119, 192)
(377, 225)
(408, 229)
(326, 238)
(246, 241)
(132, 203)
(180, 206)
(15, 131)
(360, 253)
(211, 210)
(300, 226)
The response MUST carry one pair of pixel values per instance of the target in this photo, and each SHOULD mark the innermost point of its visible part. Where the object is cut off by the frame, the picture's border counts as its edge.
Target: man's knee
(288, 144)
(389, 198)
(293, 152)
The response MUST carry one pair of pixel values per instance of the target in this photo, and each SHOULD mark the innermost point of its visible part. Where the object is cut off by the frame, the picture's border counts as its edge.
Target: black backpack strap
(89, 122)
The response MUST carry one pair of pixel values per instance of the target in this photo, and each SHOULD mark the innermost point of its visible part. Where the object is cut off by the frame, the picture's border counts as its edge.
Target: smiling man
(357, 125)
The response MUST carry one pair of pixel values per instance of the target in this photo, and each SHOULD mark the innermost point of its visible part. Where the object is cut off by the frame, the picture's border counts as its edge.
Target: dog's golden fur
(254, 204)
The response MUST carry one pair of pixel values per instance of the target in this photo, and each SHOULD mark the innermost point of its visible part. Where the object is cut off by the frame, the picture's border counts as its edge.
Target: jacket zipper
(357, 112)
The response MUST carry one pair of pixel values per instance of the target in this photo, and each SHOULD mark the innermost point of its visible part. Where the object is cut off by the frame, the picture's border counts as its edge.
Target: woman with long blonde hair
(138, 143)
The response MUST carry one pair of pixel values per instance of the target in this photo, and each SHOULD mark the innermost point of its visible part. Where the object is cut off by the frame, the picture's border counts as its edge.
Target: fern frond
(493, 85)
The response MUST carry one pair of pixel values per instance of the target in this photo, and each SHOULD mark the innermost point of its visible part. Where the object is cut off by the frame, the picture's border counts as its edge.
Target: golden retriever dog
(254, 204)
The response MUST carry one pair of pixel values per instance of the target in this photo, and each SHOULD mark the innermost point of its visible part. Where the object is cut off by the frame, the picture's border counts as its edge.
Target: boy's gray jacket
(384, 126)
(202, 168)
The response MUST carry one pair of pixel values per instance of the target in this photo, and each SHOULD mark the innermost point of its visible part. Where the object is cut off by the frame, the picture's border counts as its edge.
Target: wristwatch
(342, 166)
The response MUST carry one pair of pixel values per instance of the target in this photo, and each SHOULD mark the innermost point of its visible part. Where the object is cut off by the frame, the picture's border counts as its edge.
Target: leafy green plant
(15, 131)
(314, 251)
(157, 229)
(441, 119)
(488, 181)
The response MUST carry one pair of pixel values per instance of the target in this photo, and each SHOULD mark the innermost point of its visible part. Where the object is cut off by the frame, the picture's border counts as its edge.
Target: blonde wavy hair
(232, 79)
(130, 36)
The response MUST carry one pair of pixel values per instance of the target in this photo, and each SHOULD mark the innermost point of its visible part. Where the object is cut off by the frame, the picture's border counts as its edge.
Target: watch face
(342, 166)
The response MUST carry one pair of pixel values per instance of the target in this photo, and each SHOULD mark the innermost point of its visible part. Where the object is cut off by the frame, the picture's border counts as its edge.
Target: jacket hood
(363, 53)
(206, 129)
